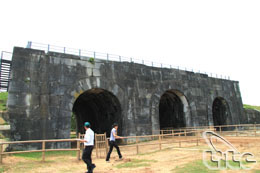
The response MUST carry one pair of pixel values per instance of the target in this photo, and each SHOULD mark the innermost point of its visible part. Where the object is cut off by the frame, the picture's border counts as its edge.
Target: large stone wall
(44, 87)
(252, 116)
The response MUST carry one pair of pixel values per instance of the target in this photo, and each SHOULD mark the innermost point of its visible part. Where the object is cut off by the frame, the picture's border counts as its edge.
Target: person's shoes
(120, 158)
(107, 161)
(93, 167)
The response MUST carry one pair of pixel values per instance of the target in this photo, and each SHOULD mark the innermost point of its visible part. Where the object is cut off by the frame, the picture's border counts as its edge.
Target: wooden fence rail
(101, 142)
(217, 127)
(43, 149)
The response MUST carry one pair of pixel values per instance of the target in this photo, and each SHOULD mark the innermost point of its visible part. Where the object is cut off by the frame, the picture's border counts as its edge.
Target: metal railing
(5, 69)
(113, 57)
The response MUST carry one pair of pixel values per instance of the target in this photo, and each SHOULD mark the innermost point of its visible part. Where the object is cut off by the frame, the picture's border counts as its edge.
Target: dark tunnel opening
(171, 111)
(221, 113)
(99, 107)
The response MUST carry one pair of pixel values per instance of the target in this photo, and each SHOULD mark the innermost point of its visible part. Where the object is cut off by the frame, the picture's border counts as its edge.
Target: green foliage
(73, 123)
(251, 107)
(135, 163)
(3, 100)
(91, 60)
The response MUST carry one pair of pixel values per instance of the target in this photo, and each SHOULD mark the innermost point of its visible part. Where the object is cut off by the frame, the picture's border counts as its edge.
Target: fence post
(64, 49)
(219, 129)
(137, 139)
(255, 129)
(236, 131)
(79, 52)
(106, 145)
(107, 56)
(162, 134)
(96, 145)
(198, 134)
(160, 144)
(43, 151)
(1, 153)
(119, 58)
(94, 55)
(78, 148)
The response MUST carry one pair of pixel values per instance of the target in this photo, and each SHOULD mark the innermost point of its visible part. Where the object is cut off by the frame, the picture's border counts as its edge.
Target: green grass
(72, 136)
(2, 170)
(3, 100)
(198, 167)
(135, 163)
(38, 155)
(251, 107)
(194, 167)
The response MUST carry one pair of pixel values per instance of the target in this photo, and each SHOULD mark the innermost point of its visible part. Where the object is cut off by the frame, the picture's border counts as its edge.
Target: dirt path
(161, 161)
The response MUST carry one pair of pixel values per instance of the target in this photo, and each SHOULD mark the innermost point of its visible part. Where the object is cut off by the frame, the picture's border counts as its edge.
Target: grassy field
(3, 99)
(38, 155)
(251, 107)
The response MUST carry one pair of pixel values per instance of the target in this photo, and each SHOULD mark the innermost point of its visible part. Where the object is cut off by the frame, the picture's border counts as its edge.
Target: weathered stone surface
(252, 116)
(44, 87)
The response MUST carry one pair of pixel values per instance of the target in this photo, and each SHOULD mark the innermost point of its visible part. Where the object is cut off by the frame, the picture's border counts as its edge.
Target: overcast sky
(220, 36)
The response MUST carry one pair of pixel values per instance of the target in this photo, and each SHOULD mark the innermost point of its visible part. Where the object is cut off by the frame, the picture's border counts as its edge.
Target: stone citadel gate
(46, 88)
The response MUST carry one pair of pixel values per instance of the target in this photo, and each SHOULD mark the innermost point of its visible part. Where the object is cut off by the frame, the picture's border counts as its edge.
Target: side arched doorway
(174, 111)
(99, 107)
(221, 112)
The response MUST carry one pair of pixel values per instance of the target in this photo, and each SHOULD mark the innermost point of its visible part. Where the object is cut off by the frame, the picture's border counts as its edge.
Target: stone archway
(221, 112)
(99, 107)
(174, 111)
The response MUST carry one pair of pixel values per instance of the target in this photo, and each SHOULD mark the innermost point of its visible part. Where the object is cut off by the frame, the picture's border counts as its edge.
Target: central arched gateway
(174, 110)
(99, 107)
(221, 112)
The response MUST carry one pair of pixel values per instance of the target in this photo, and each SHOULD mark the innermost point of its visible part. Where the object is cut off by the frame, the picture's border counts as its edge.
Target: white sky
(220, 36)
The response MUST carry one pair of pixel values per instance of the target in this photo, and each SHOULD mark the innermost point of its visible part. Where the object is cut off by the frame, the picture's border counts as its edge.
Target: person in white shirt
(112, 142)
(89, 145)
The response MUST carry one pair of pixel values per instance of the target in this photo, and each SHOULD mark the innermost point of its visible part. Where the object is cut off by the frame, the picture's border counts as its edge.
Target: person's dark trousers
(86, 157)
(113, 144)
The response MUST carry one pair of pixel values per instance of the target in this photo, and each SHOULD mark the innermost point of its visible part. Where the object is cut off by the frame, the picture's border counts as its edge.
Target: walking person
(112, 142)
(89, 145)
